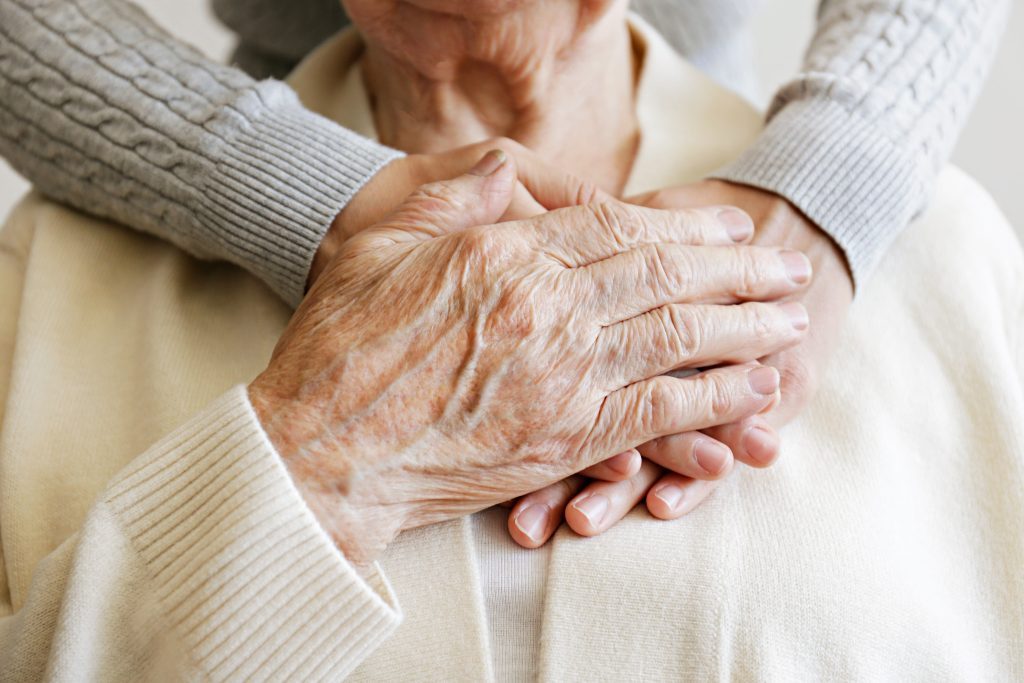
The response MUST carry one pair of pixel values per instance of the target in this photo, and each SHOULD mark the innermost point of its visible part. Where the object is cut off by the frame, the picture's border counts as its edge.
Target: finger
(478, 197)
(665, 405)
(652, 275)
(601, 504)
(686, 336)
(552, 187)
(616, 468)
(582, 235)
(752, 441)
(523, 205)
(675, 495)
(536, 516)
(691, 454)
(678, 197)
(549, 186)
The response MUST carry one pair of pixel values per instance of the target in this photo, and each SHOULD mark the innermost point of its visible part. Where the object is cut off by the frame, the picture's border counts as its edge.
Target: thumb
(478, 197)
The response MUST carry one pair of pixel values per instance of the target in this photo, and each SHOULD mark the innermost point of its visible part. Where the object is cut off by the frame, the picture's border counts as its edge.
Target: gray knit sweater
(103, 110)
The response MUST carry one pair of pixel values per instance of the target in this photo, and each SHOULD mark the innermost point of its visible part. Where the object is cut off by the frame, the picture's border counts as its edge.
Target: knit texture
(101, 109)
(249, 580)
(177, 546)
(857, 138)
(885, 545)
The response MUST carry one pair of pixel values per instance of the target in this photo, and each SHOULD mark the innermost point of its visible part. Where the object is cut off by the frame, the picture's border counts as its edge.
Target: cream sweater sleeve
(199, 561)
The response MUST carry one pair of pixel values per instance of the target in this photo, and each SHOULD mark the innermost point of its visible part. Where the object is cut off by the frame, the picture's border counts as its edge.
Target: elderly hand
(540, 187)
(430, 373)
(697, 461)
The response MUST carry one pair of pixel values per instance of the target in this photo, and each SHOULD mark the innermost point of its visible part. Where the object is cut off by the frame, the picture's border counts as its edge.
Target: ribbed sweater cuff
(841, 170)
(247, 577)
(282, 174)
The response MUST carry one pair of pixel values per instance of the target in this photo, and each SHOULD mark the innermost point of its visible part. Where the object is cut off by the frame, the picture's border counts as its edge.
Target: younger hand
(671, 476)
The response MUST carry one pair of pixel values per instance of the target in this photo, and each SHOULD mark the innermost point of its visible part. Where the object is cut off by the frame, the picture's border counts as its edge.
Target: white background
(991, 148)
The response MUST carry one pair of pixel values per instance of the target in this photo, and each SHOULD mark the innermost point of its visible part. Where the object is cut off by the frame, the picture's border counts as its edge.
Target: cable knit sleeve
(856, 139)
(101, 109)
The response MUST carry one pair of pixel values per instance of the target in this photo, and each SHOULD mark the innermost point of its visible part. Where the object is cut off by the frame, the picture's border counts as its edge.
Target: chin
(473, 8)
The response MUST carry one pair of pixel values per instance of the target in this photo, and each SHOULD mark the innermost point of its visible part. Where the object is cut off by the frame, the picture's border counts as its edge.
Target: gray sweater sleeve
(103, 110)
(856, 139)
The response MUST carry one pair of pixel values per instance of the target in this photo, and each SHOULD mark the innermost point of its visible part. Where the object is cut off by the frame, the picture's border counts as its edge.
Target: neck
(557, 78)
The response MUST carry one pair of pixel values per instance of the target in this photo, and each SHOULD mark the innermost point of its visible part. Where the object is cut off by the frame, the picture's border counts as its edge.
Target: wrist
(328, 249)
(359, 530)
(380, 195)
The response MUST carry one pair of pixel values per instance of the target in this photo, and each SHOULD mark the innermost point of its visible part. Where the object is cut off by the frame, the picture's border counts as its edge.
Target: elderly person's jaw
(443, 74)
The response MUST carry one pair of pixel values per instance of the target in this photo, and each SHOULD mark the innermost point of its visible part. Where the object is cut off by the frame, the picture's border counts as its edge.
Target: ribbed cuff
(840, 170)
(248, 579)
(282, 174)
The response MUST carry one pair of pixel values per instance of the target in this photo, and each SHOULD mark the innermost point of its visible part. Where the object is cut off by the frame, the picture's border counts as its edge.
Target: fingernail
(670, 495)
(710, 456)
(593, 508)
(797, 315)
(531, 521)
(764, 380)
(490, 163)
(760, 444)
(737, 223)
(622, 463)
(798, 267)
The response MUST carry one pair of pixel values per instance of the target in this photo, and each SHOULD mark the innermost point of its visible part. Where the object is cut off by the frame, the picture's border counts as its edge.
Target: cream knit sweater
(138, 543)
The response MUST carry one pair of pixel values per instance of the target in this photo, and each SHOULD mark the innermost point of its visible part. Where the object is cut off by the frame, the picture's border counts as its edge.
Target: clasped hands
(667, 315)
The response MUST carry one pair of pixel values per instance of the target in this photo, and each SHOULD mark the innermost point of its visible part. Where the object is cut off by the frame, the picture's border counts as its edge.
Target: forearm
(856, 139)
(101, 109)
(200, 555)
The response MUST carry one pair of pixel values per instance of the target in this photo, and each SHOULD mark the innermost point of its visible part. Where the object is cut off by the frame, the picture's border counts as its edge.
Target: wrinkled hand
(437, 368)
(678, 472)
(540, 187)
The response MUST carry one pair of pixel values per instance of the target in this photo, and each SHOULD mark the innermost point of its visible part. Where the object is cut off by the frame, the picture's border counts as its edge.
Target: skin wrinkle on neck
(553, 76)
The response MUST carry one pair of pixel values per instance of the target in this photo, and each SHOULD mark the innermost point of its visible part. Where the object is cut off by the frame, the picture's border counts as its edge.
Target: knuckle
(671, 271)
(619, 221)
(684, 331)
(718, 400)
(480, 250)
(586, 192)
(657, 265)
(659, 402)
(479, 242)
(762, 323)
(752, 275)
(693, 224)
(516, 313)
